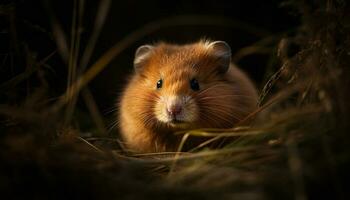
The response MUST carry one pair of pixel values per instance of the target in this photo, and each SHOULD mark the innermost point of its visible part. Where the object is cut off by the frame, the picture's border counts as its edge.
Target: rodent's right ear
(141, 54)
(223, 51)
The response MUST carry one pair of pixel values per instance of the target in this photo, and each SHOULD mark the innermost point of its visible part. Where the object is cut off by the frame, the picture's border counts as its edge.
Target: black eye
(159, 83)
(194, 84)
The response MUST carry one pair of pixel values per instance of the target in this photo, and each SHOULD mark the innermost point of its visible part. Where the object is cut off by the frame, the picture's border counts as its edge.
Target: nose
(174, 109)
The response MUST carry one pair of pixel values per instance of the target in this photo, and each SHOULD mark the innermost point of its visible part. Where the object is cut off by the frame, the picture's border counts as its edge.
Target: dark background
(33, 27)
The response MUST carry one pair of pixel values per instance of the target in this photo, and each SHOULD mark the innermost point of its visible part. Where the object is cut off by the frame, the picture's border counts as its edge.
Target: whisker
(209, 105)
(211, 87)
(108, 111)
(218, 120)
(222, 96)
(209, 120)
(112, 126)
(216, 111)
(225, 119)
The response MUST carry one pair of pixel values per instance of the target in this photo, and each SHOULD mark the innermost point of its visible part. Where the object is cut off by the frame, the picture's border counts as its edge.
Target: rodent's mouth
(176, 121)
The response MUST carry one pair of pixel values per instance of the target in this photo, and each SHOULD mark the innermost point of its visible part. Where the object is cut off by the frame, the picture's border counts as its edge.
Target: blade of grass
(95, 113)
(78, 11)
(58, 33)
(26, 74)
(89, 144)
(99, 22)
(182, 143)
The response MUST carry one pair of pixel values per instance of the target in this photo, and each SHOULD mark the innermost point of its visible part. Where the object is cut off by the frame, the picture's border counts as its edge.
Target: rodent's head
(183, 85)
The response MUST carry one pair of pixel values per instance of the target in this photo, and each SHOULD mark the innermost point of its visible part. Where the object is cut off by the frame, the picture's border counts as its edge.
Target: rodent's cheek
(190, 111)
(160, 111)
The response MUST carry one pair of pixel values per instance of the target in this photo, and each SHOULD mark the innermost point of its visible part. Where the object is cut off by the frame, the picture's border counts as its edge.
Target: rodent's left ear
(222, 51)
(141, 54)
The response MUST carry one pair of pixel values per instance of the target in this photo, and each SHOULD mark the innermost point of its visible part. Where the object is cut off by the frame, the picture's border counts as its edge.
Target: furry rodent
(182, 87)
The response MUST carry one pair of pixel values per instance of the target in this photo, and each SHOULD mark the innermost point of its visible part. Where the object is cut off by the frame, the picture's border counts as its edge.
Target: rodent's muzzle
(175, 109)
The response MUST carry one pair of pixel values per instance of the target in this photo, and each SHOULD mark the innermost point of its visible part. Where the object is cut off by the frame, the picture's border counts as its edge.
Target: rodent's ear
(141, 54)
(223, 51)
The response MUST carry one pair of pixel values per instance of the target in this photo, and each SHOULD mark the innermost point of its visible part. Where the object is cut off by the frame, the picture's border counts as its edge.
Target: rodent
(182, 87)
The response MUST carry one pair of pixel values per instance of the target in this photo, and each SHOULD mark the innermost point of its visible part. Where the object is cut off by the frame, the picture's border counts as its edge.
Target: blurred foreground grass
(297, 148)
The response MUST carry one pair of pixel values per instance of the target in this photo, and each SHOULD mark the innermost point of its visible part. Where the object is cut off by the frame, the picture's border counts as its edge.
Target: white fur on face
(188, 114)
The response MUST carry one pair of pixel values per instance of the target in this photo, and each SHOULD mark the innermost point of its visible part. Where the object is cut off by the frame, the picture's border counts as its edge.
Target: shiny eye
(194, 84)
(159, 83)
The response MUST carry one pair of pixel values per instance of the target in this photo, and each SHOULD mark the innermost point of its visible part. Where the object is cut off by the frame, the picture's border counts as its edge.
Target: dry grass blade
(26, 74)
(226, 133)
(58, 33)
(78, 9)
(99, 22)
(280, 96)
(88, 143)
(95, 113)
(177, 155)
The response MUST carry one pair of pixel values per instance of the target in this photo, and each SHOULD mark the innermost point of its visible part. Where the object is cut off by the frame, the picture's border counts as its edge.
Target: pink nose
(174, 110)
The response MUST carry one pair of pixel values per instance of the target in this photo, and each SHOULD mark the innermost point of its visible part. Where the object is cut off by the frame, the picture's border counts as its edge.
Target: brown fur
(222, 101)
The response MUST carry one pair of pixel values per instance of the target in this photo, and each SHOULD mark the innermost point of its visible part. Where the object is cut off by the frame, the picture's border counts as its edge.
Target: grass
(296, 148)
